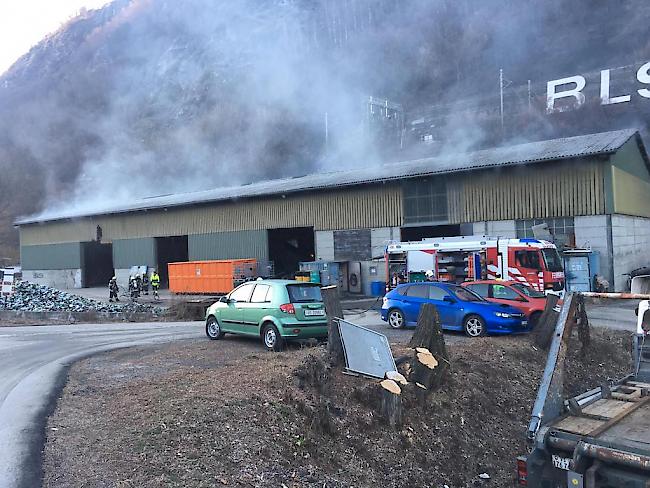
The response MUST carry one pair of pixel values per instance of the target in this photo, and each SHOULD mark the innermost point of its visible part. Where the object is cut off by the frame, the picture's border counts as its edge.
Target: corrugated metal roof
(531, 152)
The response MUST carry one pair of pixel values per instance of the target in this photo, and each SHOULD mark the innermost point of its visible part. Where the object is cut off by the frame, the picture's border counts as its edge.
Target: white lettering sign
(573, 87)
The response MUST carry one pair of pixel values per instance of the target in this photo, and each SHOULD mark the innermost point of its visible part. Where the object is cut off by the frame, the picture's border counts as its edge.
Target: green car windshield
(304, 293)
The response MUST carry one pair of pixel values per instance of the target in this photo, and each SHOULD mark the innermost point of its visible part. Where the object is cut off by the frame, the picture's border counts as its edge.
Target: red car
(519, 295)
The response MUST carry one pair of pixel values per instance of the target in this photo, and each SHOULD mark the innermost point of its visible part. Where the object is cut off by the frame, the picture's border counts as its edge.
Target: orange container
(208, 277)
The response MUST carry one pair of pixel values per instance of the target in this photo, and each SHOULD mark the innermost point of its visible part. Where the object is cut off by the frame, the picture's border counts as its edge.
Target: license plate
(524, 323)
(560, 462)
(314, 313)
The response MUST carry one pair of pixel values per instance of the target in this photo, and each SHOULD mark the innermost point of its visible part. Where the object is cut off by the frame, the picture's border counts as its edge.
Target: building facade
(593, 191)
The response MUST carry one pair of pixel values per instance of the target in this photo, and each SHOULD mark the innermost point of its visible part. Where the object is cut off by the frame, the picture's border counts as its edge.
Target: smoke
(150, 97)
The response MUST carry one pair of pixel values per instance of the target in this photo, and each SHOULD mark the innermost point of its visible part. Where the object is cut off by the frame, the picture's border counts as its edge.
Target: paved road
(33, 361)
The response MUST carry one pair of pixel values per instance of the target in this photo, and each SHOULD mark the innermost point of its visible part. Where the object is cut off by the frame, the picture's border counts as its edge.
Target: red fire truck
(468, 258)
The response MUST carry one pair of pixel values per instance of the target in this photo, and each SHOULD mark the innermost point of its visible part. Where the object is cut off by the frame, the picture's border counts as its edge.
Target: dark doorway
(170, 250)
(97, 264)
(429, 231)
(288, 247)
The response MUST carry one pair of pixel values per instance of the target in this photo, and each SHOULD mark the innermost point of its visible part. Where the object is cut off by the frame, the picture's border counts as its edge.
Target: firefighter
(113, 290)
(145, 283)
(155, 284)
(134, 289)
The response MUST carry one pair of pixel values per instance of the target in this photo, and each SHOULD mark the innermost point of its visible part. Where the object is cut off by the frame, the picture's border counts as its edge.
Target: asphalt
(34, 362)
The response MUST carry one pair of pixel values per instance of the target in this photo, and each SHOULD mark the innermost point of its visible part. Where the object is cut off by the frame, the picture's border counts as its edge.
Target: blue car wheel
(474, 326)
(396, 319)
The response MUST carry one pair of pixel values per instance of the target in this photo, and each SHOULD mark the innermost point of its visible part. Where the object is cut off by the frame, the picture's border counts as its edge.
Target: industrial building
(593, 191)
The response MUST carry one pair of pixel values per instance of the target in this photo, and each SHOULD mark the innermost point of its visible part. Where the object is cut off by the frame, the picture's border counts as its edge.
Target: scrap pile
(30, 297)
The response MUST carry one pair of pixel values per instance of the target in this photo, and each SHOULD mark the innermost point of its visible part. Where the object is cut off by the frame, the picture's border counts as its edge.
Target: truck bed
(621, 421)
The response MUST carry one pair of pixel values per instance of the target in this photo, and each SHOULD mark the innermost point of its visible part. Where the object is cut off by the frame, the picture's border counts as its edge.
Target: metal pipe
(605, 454)
(632, 296)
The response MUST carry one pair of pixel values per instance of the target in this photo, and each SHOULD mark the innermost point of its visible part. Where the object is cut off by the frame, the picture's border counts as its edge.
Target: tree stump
(426, 370)
(546, 325)
(583, 324)
(428, 335)
(334, 311)
(391, 403)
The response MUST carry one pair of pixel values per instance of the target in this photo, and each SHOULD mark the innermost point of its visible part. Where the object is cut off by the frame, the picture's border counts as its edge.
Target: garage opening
(170, 250)
(288, 247)
(418, 233)
(97, 265)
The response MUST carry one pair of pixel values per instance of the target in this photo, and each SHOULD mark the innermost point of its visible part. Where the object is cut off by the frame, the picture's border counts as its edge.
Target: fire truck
(469, 258)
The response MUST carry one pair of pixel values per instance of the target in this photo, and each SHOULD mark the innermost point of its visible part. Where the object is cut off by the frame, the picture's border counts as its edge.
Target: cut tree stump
(583, 324)
(391, 402)
(426, 370)
(428, 336)
(546, 325)
(334, 311)
(396, 377)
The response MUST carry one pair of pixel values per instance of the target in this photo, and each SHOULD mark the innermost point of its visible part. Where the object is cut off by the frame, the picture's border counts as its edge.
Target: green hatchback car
(274, 310)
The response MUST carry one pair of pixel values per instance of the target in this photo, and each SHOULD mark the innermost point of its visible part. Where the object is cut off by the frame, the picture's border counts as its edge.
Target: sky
(24, 23)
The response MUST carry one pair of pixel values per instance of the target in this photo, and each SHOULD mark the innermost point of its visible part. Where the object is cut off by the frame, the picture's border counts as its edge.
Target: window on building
(425, 201)
(562, 228)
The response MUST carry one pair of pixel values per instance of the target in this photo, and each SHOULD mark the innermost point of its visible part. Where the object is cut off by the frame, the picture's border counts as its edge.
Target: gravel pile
(30, 297)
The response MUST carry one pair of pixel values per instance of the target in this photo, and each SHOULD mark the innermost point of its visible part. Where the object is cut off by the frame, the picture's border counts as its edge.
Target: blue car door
(416, 295)
(450, 313)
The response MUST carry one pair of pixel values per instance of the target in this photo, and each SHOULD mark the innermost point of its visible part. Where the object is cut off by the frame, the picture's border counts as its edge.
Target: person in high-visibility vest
(155, 283)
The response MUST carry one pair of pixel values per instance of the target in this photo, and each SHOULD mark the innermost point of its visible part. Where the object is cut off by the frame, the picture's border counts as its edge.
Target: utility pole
(327, 132)
(501, 103)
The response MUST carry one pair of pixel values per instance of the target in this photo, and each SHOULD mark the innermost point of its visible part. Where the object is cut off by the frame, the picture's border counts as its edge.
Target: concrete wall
(593, 232)
(631, 246)
(367, 277)
(57, 278)
(495, 228)
(379, 239)
(324, 244)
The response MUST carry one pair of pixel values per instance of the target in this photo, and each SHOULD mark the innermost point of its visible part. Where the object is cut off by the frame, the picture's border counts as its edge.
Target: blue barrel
(377, 288)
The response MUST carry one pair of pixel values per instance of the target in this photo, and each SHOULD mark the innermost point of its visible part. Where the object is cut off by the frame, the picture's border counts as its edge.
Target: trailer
(467, 258)
(598, 439)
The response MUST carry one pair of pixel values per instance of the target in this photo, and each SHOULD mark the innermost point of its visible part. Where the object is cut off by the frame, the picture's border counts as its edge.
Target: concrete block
(501, 228)
(63, 279)
(324, 244)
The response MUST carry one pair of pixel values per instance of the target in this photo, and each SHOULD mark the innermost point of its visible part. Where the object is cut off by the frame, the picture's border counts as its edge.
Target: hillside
(148, 97)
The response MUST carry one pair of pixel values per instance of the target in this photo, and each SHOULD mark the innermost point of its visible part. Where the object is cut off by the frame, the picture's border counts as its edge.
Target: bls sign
(573, 86)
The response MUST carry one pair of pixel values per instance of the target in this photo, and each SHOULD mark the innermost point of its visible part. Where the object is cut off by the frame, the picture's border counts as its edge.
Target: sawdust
(199, 414)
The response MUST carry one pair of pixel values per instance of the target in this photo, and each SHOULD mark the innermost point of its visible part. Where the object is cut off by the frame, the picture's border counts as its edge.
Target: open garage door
(288, 247)
(97, 264)
(170, 250)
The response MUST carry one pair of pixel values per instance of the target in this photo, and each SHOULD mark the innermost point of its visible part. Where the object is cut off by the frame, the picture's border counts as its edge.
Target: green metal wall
(229, 245)
(51, 256)
(134, 252)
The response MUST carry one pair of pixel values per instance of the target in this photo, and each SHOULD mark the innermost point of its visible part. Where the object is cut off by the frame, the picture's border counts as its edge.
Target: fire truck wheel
(395, 319)
(474, 326)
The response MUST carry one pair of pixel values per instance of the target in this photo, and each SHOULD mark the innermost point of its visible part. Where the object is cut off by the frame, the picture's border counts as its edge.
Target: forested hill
(149, 97)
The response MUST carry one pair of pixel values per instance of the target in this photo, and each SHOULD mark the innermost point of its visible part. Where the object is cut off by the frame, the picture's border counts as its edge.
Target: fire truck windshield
(552, 259)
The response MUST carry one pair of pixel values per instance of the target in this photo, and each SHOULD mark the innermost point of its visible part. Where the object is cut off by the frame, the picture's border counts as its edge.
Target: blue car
(459, 308)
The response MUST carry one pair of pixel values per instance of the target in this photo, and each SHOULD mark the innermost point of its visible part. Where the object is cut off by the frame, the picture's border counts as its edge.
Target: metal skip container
(210, 277)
